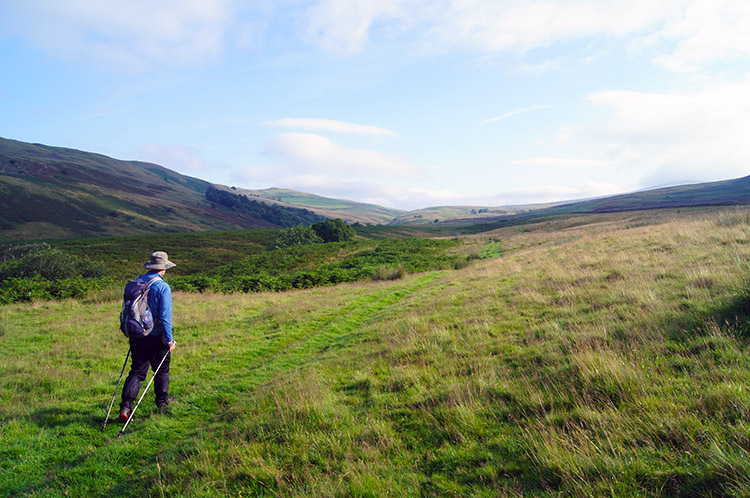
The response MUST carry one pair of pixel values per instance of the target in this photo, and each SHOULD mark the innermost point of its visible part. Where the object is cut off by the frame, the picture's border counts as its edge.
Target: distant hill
(722, 193)
(447, 213)
(54, 192)
(349, 211)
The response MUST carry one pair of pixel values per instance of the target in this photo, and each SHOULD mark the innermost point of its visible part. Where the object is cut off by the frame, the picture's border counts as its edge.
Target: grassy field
(597, 356)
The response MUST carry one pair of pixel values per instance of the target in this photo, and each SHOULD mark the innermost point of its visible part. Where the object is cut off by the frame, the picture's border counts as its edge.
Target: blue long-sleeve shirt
(160, 304)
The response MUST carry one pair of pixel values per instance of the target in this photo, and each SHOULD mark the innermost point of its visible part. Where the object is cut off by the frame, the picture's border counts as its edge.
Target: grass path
(228, 347)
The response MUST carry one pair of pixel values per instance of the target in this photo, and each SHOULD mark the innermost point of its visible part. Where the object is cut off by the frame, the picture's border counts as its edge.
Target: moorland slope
(53, 192)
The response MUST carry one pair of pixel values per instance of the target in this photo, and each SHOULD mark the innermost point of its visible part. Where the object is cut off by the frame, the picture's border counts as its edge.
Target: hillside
(734, 192)
(53, 192)
(601, 355)
(723, 193)
(349, 211)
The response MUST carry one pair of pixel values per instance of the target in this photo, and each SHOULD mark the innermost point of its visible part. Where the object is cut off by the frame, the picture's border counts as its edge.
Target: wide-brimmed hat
(159, 261)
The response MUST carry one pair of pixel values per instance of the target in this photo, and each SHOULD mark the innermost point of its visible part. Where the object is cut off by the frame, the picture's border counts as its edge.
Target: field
(597, 355)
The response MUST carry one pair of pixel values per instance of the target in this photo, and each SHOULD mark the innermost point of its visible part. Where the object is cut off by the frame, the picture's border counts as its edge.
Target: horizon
(404, 104)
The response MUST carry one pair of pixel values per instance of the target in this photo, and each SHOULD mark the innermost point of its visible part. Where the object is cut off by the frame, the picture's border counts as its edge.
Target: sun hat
(159, 261)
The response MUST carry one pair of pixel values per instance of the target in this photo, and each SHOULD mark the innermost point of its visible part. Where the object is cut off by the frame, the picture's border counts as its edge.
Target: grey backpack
(136, 320)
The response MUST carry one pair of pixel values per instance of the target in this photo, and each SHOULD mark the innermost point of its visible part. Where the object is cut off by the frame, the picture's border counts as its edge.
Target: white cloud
(344, 26)
(562, 162)
(515, 112)
(310, 152)
(311, 124)
(705, 31)
(542, 194)
(373, 192)
(679, 34)
(485, 25)
(673, 137)
(140, 34)
(126, 36)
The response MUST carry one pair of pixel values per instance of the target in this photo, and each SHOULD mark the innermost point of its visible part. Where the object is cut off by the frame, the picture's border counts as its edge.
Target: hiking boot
(124, 414)
(165, 403)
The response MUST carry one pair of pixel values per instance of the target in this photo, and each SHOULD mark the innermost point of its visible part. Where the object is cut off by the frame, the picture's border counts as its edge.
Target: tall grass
(605, 359)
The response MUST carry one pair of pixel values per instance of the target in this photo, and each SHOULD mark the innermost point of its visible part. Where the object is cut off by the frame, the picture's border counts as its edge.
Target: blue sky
(403, 103)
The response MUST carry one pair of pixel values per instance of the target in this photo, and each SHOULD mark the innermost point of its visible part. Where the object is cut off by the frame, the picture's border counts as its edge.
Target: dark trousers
(147, 352)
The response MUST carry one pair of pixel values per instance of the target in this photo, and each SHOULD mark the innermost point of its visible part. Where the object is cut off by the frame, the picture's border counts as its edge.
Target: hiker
(150, 350)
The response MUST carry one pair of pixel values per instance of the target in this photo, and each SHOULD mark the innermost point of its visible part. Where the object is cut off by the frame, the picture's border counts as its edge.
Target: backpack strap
(151, 282)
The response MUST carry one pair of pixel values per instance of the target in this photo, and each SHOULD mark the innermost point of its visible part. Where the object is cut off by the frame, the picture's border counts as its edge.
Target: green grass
(599, 359)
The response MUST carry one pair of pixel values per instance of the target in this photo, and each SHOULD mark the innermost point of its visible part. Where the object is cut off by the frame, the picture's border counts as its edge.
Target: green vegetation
(50, 274)
(333, 231)
(299, 235)
(321, 232)
(598, 356)
(241, 261)
(306, 266)
(272, 213)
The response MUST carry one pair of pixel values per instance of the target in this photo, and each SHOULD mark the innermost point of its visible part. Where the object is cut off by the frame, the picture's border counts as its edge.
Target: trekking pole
(142, 395)
(117, 387)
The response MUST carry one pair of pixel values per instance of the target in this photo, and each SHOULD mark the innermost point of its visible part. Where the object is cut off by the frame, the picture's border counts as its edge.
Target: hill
(723, 193)
(600, 355)
(734, 192)
(349, 211)
(53, 192)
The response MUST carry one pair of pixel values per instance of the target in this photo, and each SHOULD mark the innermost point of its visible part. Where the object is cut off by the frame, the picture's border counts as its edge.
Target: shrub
(334, 231)
(51, 264)
(296, 236)
(462, 263)
(386, 273)
(193, 283)
(36, 288)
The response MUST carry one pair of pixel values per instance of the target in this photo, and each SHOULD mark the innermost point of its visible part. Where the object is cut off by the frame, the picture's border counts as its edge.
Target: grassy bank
(590, 360)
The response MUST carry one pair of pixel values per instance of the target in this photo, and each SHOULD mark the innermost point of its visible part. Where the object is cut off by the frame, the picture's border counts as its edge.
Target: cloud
(515, 112)
(141, 34)
(673, 137)
(344, 27)
(331, 125)
(124, 36)
(485, 25)
(311, 152)
(679, 34)
(543, 194)
(373, 192)
(702, 33)
(562, 162)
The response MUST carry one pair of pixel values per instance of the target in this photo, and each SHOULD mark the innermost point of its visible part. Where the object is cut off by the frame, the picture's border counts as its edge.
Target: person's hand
(172, 345)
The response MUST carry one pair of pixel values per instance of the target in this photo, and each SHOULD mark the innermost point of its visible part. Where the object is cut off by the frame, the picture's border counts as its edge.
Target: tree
(334, 231)
(297, 236)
